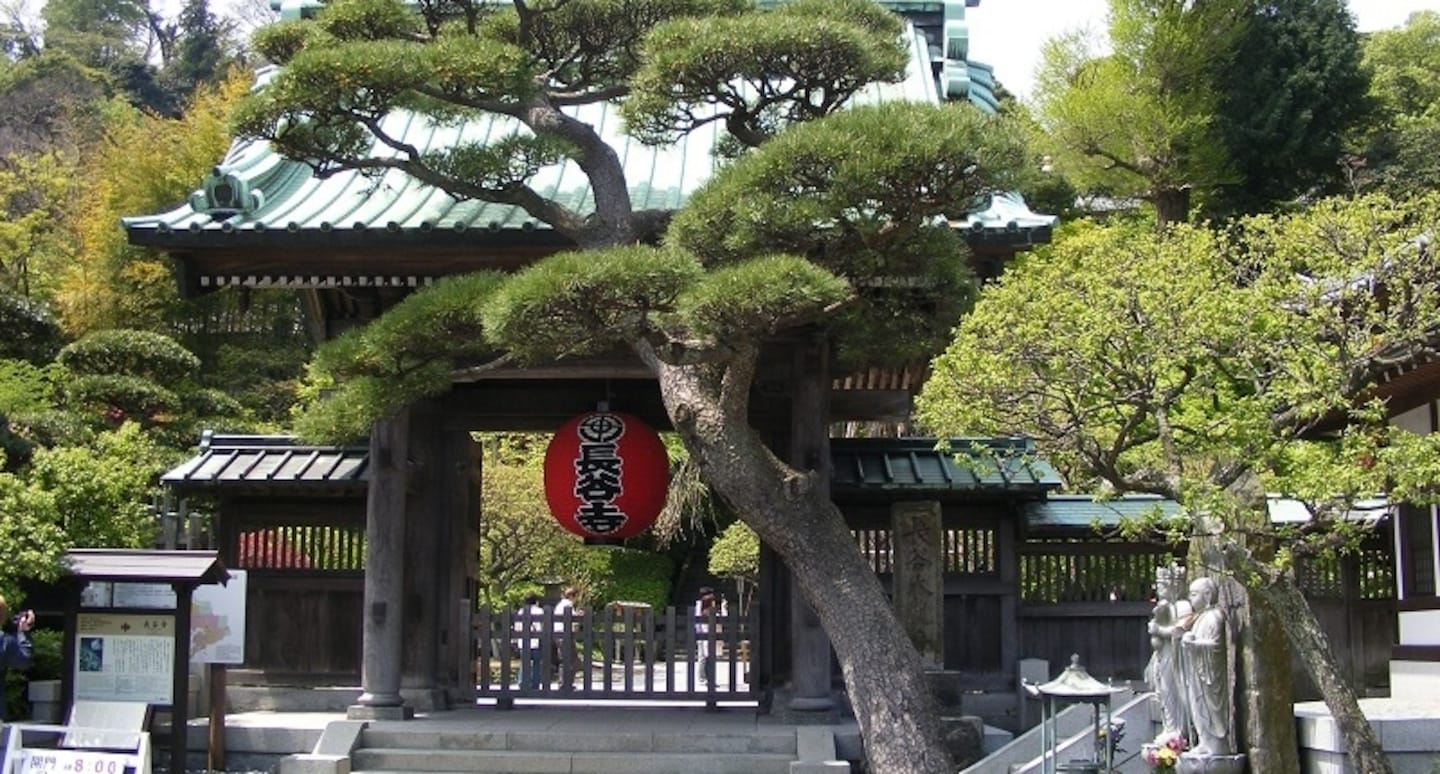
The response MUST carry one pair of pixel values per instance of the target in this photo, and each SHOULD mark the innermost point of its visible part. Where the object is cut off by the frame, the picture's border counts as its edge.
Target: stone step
(754, 741)
(385, 761)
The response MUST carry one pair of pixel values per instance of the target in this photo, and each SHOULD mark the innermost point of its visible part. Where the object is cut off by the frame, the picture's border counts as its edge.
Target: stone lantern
(1075, 686)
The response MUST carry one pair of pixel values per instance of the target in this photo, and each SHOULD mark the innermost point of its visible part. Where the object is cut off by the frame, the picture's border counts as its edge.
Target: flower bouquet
(1164, 753)
(1109, 736)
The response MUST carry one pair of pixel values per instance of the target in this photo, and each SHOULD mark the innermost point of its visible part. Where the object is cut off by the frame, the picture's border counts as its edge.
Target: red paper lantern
(605, 475)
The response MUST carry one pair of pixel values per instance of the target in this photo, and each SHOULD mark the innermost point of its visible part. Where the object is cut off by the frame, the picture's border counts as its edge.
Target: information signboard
(217, 622)
(125, 657)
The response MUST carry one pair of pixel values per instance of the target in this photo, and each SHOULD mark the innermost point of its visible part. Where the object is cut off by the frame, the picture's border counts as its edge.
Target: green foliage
(34, 198)
(121, 394)
(262, 376)
(841, 190)
(521, 546)
(861, 194)
(586, 302)
(280, 42)
(101, 494)
(1398, 145)
(53, 103)
(627, 575)
(759, 296)
(1139, 122)
(736, 554)
(697, 71)
(14, 450)
(144, 354)
(1291, 92)
(201, 48)
(368, 19)
(100, 33)
(371, 372)
(30, 334)
(146, 163)
(590, 44)
(1234, 350)
(46, 664)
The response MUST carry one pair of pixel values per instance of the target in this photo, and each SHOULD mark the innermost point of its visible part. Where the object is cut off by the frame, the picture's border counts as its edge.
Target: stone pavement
(548, 735)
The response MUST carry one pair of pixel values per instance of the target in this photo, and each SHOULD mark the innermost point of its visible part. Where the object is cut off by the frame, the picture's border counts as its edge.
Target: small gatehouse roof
(270, 461)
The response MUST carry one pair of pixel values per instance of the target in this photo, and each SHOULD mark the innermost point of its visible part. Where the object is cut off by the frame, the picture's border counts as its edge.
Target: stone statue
(1209, 672)
(1168, 621)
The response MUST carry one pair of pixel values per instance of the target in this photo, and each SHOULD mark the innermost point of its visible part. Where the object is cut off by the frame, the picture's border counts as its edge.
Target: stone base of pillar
(427, 699)
(964, 739)
(367, 712)
(806, 710)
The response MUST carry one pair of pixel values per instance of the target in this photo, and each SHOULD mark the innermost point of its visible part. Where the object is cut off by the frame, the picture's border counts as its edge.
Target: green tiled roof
(293, 199)
(915, 465)
(1084, 511)
(285, 197)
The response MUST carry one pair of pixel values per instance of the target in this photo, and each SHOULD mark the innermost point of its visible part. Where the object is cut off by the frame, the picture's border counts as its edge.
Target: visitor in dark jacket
(15, 646)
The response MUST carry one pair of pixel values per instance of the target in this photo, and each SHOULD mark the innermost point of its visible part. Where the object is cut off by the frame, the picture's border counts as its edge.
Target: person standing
(567, 651)
(15, 647)
(528, 622)
(704, 614)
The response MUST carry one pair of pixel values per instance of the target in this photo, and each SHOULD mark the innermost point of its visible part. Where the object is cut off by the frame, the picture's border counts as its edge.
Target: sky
(1007, 34)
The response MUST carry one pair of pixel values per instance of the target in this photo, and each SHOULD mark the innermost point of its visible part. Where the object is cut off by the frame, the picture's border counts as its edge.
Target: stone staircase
(600, 752)
(381, 748)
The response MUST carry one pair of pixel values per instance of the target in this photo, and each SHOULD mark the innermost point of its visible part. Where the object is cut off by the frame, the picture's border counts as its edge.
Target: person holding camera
(15, 648)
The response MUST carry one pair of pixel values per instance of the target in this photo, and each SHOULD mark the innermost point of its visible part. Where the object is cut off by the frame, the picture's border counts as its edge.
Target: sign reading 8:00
(74, 761)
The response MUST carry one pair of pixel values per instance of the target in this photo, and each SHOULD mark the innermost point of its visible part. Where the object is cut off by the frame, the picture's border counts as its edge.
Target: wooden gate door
(619, 652)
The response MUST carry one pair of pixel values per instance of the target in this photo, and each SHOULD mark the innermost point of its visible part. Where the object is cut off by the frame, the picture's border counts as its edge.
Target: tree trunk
(1266, 712)
(1303, 631)
(883, 673)
(1172, 205)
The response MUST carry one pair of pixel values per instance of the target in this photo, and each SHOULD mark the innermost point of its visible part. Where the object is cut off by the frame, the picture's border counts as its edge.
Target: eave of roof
(916, 465)
(912, 465)
(248, 461)
(192, 567)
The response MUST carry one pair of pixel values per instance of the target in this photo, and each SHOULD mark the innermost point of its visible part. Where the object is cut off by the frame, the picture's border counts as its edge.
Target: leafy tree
(94, 496)
(118, 376)
(1398, 147)
(832, 212)
(35, 192)
(146, 162)
(201, 49)
(736, 555)
(100, 33)
(520, 545)
(31, 335)
(1289, 95)
(53, 102)
(1213, 371)
(1139, 122)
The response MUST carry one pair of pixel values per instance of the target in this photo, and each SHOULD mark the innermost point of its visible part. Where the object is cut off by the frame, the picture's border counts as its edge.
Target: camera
(13, 625)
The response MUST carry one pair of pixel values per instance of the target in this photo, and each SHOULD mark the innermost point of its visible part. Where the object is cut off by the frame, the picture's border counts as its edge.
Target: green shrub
(46, 665)
(622, 574)
(131, 352)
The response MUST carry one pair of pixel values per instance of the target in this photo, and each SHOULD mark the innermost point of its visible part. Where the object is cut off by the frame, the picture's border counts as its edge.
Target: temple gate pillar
(810, 689)
(919, 583)
(380, 662)
(441, 533)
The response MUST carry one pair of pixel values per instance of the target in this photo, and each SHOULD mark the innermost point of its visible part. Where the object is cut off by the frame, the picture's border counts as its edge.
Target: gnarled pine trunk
(883, 672)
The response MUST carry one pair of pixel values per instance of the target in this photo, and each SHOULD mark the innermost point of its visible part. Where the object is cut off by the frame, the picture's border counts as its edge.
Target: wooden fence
(622, 652)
